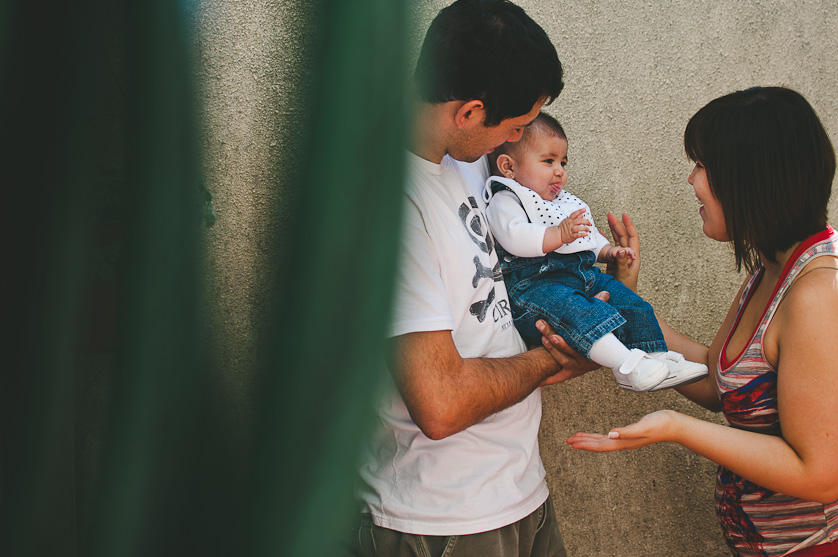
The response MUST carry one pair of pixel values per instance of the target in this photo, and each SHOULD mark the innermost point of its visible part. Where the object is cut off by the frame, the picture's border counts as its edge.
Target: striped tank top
(756, 521)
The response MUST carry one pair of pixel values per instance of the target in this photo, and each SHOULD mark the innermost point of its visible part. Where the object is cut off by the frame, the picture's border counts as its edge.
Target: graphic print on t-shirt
(478, 231)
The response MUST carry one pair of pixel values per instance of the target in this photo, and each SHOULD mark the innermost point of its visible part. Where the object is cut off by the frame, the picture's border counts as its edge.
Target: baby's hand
(609, 254)
(573, 227)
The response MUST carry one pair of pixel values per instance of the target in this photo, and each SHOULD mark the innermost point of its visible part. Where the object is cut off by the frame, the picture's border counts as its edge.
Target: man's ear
(470, 112)
(505, 164)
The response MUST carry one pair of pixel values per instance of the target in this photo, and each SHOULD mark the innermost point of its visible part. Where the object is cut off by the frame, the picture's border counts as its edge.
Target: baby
(548, 247)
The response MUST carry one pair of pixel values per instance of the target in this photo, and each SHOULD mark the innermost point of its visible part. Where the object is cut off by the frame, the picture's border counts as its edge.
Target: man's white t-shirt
(489, 475)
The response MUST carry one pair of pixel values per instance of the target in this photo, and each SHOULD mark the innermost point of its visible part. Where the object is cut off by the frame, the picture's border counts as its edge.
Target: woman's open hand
(652, 428)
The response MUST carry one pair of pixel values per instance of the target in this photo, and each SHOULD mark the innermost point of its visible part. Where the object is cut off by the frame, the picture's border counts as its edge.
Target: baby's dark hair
(543, 125)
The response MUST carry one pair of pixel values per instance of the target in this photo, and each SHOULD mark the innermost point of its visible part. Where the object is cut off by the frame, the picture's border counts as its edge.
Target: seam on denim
(372, 530)
(360, 540)
(566, 333)
(422, 545)
(607, 326)
(520, 286)
(648, 346)
(449, 546)
(542, 518)
(585, 339)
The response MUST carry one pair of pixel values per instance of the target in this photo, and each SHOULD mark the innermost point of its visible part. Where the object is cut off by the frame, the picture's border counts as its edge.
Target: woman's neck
(775, 269)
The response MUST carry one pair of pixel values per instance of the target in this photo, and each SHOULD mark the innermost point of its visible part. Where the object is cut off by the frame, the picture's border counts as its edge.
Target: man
(455, 465)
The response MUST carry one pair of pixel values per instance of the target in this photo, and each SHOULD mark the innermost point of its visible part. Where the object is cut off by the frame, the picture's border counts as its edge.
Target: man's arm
(446, 393)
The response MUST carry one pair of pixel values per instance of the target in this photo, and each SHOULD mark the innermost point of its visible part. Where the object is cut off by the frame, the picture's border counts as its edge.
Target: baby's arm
(511, 227)
(573, 227)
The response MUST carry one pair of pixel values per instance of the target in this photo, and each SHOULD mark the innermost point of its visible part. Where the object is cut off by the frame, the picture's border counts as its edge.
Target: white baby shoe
(681, 370)
(640, 372)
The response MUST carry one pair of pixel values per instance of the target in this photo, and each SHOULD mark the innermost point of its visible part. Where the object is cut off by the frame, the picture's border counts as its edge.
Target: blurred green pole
(165, 477)
(48, 78)
(150, 499)
(325, 345)
(148, 496)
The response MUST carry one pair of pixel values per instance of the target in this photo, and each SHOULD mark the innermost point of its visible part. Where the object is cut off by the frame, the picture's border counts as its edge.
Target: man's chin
(465, 157)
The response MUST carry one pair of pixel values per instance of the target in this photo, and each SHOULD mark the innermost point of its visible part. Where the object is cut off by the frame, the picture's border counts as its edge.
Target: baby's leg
(586, 325)
(579, 320)
(642, 331)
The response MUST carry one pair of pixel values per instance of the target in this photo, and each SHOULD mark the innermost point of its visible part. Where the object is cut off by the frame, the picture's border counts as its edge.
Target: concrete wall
(251, 60)
(635, 72)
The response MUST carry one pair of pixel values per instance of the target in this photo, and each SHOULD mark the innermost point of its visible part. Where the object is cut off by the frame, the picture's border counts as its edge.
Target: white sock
(609, 351)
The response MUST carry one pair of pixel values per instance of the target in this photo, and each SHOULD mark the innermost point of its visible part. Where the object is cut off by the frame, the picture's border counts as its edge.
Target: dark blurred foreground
(114, 439)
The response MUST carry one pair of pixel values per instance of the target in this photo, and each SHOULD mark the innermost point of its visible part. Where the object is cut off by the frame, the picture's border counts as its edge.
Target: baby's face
(541, 167)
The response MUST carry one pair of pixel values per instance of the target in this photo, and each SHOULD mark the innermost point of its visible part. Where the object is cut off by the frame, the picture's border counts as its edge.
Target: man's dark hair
(770, 164)
(488, 50)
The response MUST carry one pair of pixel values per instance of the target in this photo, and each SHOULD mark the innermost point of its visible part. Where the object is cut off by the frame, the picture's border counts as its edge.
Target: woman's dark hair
(770, 164)
(488, 50)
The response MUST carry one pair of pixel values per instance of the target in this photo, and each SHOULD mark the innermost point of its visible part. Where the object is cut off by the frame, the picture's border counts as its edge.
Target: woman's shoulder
(819, 273)
(806, 321)
(813, 295)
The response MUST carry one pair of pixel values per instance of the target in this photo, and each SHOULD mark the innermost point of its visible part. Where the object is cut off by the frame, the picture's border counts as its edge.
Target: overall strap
(818, 245)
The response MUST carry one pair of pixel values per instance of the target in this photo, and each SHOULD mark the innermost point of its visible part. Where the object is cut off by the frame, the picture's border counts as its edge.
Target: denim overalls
(559, 288)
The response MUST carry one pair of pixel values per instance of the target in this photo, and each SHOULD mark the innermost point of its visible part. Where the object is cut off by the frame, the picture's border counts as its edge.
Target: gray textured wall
(635, 72)
(251, 59)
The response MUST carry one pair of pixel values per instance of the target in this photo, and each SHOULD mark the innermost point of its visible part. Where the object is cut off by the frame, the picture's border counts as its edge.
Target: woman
(763, 172)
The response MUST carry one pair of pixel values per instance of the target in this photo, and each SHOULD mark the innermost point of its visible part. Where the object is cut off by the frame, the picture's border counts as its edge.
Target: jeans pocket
(525, 323)
(516, 284)
(439, 546)
(366, 537)
(542, 516)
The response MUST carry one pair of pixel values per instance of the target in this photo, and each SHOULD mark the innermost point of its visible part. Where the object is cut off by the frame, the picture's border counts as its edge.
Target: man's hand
(625, 235)
(573, 364)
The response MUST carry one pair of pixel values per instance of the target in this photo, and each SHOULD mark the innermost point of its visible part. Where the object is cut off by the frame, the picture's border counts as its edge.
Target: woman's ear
(469, 112)
(505, 165)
